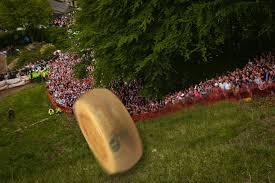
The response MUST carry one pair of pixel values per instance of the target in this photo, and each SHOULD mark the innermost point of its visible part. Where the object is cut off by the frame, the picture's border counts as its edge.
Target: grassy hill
(225, 142)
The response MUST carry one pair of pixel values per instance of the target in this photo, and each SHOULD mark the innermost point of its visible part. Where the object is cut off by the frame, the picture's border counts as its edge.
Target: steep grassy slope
(226, 142)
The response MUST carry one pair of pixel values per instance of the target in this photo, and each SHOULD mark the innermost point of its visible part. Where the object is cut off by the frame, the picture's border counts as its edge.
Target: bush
(11, 37)
(57, 36)
(6, 38)
(80, 71)
(35, 52)
(28, 56)
(46, 51)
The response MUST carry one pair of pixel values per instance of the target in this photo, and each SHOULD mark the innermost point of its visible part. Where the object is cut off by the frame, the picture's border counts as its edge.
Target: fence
(253, 91)
(12, 83)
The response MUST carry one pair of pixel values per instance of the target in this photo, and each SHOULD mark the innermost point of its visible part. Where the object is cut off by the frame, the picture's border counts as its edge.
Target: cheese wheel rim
(109, 130)
(97, 147)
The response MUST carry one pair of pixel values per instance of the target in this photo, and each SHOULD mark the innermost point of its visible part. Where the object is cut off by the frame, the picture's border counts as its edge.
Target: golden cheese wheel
(109, 130)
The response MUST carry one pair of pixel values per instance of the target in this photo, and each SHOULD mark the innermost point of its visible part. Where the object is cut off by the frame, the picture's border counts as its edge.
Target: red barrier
(210, 99)
(205, 100)
(56, 105)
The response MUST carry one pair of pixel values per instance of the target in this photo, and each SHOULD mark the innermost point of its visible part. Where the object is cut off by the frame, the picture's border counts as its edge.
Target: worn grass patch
(225, 142)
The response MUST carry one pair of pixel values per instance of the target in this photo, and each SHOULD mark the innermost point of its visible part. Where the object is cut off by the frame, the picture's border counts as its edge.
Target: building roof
(59, 8)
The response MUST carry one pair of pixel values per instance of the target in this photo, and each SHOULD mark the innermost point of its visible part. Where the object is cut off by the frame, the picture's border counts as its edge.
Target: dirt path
(12, 91)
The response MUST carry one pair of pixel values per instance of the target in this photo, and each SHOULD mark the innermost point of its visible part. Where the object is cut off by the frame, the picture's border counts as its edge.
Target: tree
(80, 70)
(153, 39)
(26, 14)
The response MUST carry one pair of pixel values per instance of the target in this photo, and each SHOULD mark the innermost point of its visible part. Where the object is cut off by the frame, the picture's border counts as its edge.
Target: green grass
(225, 142)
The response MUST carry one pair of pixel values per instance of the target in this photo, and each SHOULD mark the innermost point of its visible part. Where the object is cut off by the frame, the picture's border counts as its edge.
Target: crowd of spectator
(259, 72)
(64, 20)
(63, 87)
(36, 66)
(129, 94)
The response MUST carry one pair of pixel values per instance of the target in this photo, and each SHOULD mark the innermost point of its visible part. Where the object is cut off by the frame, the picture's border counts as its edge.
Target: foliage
(218, 143)
(28, 56)
(80, 70)
(35, 52)
(11, 38)
(47, 50)
(57, 36)
(87, 56)
(26, 14)
(73, 40)
(154, 39)
(30, 16)
(6, 38)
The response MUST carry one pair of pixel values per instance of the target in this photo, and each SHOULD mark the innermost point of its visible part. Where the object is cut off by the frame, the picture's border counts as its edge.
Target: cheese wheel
(109, 130)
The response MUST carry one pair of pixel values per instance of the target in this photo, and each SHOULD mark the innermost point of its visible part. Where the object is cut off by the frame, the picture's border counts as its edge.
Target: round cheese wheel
(109, 130)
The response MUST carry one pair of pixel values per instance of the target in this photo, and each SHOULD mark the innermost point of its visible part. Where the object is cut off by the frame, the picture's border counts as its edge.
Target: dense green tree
(80, 71)
(28, 14)
(151, 39)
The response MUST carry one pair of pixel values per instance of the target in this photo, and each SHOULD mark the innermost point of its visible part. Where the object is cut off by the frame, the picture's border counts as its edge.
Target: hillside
(224, 142)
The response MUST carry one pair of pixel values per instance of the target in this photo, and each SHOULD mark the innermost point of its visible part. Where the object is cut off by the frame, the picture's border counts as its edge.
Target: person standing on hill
(11, 114)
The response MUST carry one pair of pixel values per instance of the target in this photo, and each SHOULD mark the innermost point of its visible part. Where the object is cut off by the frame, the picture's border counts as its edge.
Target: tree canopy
(151, 39)
(26, 14)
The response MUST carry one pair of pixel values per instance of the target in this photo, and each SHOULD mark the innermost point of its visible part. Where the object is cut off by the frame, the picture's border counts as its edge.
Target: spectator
(66, 90)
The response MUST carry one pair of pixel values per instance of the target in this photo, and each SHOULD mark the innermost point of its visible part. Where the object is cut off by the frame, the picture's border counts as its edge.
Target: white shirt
(227, 86)
(221, 86)
(258, 81)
